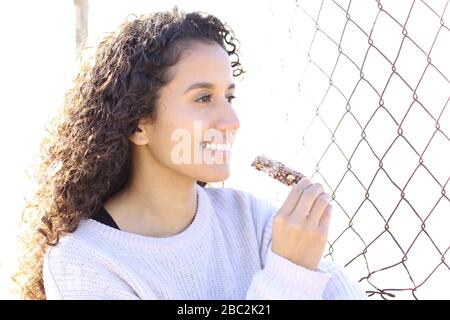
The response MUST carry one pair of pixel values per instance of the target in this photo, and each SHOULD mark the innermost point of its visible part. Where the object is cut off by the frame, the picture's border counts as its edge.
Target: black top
(104, 217)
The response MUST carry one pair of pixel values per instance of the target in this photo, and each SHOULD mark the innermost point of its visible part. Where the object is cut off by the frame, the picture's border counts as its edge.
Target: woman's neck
(156, 201)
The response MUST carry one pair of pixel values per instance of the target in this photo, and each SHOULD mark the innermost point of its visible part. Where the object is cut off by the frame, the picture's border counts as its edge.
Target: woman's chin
(215, 173)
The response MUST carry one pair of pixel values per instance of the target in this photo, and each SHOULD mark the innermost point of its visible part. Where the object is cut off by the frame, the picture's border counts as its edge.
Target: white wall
(37, 41)
(37, 56)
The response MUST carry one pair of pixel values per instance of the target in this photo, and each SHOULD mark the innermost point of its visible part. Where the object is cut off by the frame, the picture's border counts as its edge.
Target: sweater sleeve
(70, 275)
(281, 279)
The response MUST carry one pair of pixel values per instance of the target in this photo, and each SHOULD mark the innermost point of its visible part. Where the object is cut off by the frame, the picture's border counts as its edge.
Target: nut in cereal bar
(277, 170)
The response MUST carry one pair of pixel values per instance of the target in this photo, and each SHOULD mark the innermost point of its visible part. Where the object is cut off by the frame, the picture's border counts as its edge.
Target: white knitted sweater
(224, 254)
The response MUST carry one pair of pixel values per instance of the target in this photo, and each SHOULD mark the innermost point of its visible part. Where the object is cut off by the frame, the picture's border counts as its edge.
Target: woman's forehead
(203, 63)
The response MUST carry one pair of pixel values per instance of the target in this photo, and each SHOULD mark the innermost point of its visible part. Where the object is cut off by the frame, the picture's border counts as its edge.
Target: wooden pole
(81, 21)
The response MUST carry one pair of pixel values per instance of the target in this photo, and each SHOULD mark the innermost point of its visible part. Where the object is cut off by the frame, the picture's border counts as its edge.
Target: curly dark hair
(86, 153)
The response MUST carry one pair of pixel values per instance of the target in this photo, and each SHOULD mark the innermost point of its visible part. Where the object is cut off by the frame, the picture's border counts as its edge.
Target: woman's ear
(141, 136)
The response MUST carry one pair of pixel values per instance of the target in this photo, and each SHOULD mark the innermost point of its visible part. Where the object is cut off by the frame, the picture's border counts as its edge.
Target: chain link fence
(376, 82)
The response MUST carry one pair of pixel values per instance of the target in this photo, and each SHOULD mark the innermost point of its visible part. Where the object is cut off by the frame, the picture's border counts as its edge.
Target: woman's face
(193, 109)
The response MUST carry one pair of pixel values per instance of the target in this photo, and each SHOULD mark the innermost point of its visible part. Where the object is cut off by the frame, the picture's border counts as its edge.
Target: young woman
(118, 216)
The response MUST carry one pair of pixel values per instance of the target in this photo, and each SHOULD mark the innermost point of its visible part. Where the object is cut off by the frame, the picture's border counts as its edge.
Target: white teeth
(216, 146)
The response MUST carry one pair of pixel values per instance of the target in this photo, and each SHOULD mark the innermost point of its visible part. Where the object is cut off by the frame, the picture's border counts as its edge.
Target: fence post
(81, 21)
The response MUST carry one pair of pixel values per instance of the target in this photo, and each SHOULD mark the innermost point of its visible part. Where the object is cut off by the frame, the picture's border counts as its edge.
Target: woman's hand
(300, 226)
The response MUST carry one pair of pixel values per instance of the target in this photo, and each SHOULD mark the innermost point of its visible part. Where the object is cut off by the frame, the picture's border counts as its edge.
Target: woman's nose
(228, 119)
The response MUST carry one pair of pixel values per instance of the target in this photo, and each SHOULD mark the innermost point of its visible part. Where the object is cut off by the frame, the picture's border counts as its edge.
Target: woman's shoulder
(81, 266)
(81, 242)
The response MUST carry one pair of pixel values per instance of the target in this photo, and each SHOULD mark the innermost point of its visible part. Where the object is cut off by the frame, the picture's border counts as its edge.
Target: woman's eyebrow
(207, 85)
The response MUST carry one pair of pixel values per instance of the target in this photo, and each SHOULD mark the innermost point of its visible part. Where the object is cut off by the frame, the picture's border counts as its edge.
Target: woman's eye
(204, 99)
(207, 98)
(231, 98)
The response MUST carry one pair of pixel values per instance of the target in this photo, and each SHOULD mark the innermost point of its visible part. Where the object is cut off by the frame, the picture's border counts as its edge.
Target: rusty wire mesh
(387, 178)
